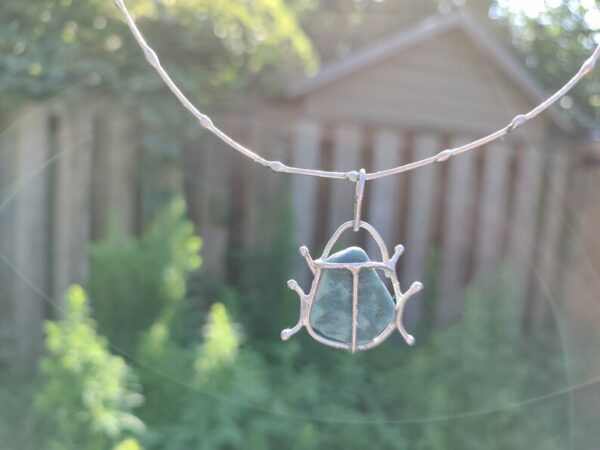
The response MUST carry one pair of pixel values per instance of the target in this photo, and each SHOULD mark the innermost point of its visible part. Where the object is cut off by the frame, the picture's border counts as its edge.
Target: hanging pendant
(348, 305)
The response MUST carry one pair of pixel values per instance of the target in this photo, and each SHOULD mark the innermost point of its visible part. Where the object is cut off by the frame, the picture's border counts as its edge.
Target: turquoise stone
(331, 313)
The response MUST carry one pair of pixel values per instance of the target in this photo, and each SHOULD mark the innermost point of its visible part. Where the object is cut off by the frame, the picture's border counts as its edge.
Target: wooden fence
(507, 205)
(68, 167)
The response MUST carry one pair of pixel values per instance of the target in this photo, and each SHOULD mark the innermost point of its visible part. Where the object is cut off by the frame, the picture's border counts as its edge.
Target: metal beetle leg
(289, 332)
(413, 289)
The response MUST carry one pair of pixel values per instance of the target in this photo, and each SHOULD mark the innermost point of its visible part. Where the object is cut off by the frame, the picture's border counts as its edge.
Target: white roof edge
(423, 31)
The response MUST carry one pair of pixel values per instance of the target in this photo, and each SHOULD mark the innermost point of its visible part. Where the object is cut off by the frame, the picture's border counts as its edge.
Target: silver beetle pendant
(348, 305)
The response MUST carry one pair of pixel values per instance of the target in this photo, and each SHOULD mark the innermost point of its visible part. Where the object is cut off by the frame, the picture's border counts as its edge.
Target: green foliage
(465, 386)
(48, 45)
(555, 41)
(88, 394)
(461, 389)
(212, 49)
(263, 270)
(134, 282)
(128, 444)
(221, 381)
(18, 426)
(163, 365)
(472, 377)
(139, 286)
(220, 346)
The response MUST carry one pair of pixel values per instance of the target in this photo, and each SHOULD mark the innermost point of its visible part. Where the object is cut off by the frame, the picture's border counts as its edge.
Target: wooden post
(457, 234)
(306, 147)
(347, 142)
(421, 215)
(385, 193)
(213, 201)
(523, 219)
(493, 205)
(115, 162)
(578, 312)
(123, 166)
(259, 179)
(31, 234)
(62, 216)
(80, 149)
(305, 153)
(71, 218)
(8, 186)
(553, 216)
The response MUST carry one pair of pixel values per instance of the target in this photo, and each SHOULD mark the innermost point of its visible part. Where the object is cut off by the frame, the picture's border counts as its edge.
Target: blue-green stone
(331, 313)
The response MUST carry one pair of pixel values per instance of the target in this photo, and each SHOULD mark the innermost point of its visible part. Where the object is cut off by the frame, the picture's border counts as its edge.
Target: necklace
(348, 305)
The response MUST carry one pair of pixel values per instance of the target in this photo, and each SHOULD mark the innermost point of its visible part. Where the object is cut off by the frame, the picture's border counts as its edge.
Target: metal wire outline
(277, 166)
(387, 265)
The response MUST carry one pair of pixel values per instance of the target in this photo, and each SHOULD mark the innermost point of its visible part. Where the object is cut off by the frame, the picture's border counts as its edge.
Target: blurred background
(143, 263)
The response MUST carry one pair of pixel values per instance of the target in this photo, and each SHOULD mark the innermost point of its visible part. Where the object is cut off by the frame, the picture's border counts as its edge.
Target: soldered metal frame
(387, 265)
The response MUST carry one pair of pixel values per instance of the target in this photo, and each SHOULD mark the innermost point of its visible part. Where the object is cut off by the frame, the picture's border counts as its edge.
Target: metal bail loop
(358, 197)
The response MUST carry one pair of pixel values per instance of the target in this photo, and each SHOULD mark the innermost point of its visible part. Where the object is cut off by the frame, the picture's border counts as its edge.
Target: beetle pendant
(348, 305)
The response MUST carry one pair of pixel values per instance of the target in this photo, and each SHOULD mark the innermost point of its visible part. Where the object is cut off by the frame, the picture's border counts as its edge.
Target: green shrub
(223, 381)
(87, 394)
(163, 365)
(133, 282)
(461, 389)
(239, 387)
(19, 428)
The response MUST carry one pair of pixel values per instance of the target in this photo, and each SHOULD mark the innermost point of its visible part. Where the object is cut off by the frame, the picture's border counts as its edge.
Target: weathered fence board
(457, 233)
(546, 275)
(493, 204)
(210, 204)
(62, 191)
(30, 232)
(256, 185)
(8, 176)
(347, 145)
(421, 217)
(306, 146)
(71, 216)
(523, 219)
(81, 152)
(384, 204)
(114, 173)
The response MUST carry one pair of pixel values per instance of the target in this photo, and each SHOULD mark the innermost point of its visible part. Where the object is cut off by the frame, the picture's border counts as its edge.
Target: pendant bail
(358, 197)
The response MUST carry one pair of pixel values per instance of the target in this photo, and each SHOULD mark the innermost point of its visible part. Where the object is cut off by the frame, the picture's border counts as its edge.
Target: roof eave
(422, 32)
(333, 71)
(507, 62)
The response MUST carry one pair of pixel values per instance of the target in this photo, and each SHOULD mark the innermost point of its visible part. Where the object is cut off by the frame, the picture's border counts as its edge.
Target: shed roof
(426, 30)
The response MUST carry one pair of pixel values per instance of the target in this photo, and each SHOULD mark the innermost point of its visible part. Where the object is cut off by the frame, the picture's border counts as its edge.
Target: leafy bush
(236, 386)
(133, 282)
(87, 394)
(138, 286)
(18, 425)
(461, 389)
(221, 381)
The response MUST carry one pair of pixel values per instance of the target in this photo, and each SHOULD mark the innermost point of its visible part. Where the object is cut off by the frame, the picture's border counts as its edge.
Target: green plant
(222, 379)
(19, 428)
(135, 283)
(262, 272)
(128, 444)
(212, 48)
(87, 395)
(553, 42)
(229, 387)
